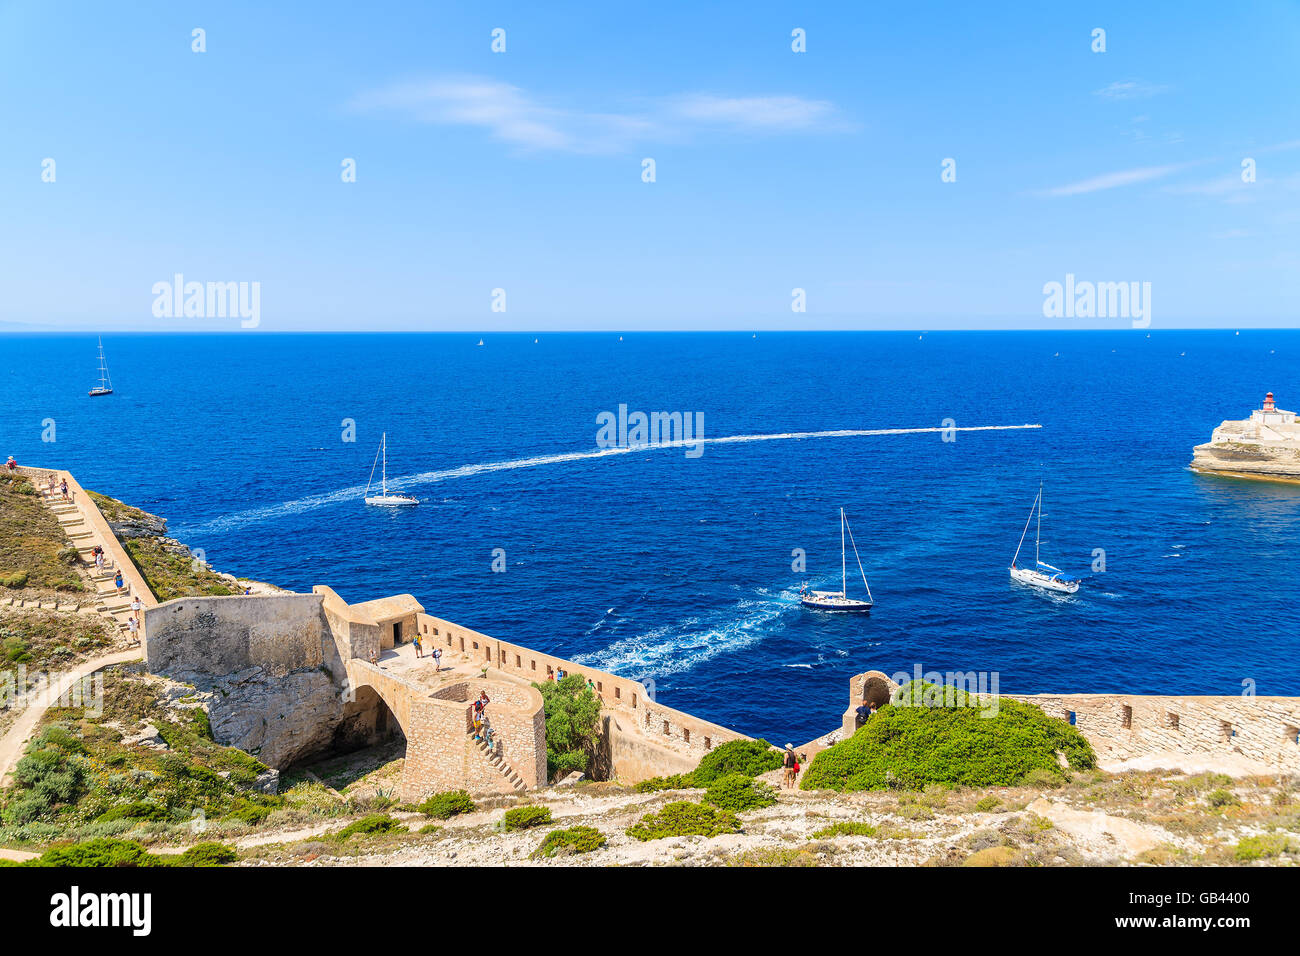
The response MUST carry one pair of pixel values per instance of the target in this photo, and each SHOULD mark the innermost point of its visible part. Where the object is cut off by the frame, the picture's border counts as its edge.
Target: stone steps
(494, 760)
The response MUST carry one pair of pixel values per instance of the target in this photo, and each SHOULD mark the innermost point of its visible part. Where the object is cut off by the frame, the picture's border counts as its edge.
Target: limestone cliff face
(269, 662)
(280, 720)
(1242, 449)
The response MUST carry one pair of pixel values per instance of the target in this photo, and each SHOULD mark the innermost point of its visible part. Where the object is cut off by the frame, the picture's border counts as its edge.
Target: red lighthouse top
(1268, 403)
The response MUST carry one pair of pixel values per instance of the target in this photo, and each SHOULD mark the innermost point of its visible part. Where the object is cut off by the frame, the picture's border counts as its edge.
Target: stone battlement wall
(1265, 730)
(684, 737)
(221, 635)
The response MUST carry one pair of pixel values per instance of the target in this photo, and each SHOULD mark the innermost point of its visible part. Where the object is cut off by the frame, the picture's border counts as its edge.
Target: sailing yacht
(384, 498)
(1041, 575)
(105, 386)
(839, 600)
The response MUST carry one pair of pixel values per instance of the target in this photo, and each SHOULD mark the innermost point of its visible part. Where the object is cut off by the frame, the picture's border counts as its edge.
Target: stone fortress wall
(1260, 733)
(1262, 730)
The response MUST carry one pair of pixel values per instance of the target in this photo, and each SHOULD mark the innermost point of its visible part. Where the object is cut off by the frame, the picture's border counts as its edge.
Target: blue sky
(522, 170)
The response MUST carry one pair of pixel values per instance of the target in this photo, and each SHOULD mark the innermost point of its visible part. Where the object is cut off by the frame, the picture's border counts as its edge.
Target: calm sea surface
(661, 566)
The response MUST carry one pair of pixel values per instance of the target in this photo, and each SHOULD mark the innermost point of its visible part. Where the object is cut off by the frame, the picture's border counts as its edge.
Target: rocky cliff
(1235, 452)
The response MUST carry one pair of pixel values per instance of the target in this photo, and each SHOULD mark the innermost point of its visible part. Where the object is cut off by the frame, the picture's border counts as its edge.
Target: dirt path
(13, 742)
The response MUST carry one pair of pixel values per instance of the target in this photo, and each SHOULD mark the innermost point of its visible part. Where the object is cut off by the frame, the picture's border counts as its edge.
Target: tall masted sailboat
(839, 600)
(384, 498)
(105, 386)
(1041, 575)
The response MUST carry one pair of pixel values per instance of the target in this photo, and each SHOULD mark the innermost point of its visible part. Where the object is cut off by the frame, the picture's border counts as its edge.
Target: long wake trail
(316, 502)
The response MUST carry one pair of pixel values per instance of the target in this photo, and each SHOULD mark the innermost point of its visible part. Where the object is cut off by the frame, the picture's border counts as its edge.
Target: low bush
(120, 853)
(748, 757)
(522, 818)
(1221, 798)
(444, 806)
(934, 735)
(678, 781)
(684, 818)
(574, 840)
(845, 828)
(738, 793)
(372, 824)
(1263, 847)
(139, 810)
(103, 852)
(208, 854)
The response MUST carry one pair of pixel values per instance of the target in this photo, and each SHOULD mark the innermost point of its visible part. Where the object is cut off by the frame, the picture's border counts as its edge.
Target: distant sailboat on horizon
(839, 600)
(105, 386)
(384, 498)
(1041, 575)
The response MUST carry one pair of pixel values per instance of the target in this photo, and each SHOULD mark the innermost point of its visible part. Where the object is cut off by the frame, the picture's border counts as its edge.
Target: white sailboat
(105, 386)
(1041, 575)
(839, 600)
(384, 498)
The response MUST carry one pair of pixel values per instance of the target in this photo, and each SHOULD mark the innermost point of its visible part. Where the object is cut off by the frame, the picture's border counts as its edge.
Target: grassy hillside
(32, 543)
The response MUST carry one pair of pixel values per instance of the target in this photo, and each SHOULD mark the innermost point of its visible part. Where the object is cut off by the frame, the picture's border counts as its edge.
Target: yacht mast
(1038, 532)
(844, 587)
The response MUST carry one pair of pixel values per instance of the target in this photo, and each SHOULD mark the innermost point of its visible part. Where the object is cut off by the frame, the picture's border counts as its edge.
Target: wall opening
(1171, 720)
(1126, 717)
(368, 725)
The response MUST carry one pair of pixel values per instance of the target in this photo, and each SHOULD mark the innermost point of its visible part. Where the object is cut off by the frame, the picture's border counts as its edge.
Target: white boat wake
(315, 502)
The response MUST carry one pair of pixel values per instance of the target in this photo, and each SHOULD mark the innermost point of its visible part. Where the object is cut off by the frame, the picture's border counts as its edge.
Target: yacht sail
(1041, 575)
(840, 600)
(384, 498)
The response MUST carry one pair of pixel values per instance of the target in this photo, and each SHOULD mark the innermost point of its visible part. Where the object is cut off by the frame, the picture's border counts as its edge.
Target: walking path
(13, 742)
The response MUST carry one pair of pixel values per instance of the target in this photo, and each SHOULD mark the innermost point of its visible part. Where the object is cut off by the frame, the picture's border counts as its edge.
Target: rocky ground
(1136, 818)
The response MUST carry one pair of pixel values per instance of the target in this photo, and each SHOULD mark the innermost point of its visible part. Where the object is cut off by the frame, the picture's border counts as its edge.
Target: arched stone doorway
(367, 722)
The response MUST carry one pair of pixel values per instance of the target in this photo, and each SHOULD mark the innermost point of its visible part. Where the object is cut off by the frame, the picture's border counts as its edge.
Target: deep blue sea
(657, 565)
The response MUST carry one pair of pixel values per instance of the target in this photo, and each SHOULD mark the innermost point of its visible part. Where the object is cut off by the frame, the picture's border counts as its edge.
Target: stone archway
(874, 687)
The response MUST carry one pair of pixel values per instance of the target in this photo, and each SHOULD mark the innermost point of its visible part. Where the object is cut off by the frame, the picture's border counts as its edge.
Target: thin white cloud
(512, 115)
(1130, 90)
(1125, 177)
(770, 113)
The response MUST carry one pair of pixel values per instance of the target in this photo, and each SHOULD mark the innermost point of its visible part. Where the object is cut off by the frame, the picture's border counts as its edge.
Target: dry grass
(30, 541)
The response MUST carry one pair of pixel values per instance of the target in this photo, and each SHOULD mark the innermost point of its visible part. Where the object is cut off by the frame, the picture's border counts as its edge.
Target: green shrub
(684, 818)
(986, 804)
(430, 828)
(1221, 798)
(572, 724)
(521, 818)
(208, 854)
(571, 841)
(102, 852)
(371, 824)
(444, 806)
(1262, 847)
(15, 581)
(678, 781)
(139, 810)
(748, 757)
(250, 813)
(738, 793)
(845, 828)
(938, 735)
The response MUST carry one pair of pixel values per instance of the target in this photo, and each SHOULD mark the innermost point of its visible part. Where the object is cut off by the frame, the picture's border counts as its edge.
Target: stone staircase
(493, 757)
(108, 601)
